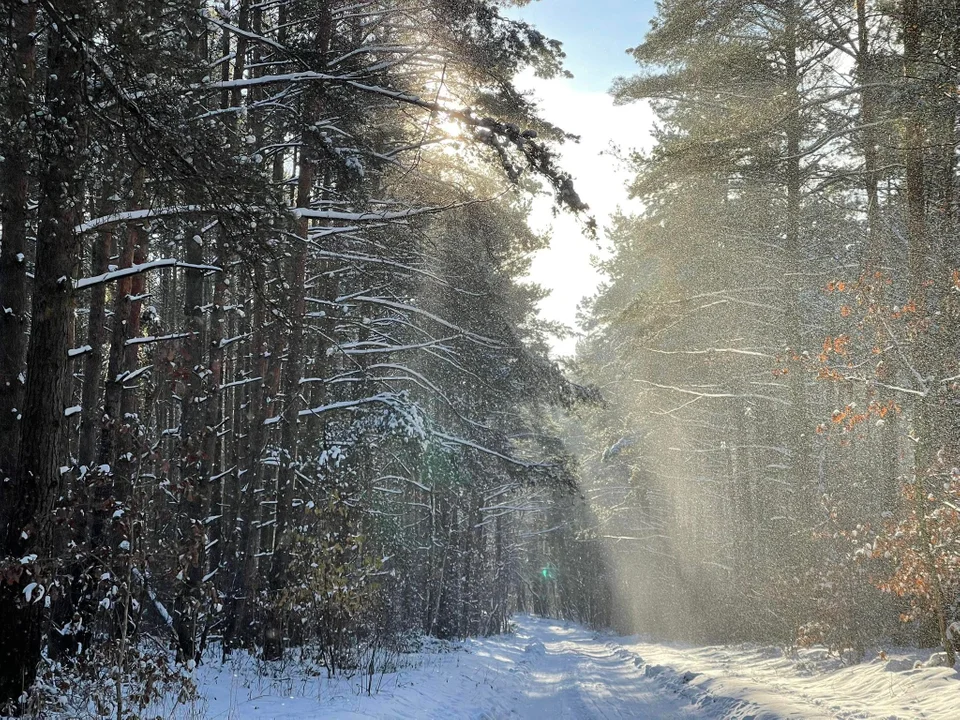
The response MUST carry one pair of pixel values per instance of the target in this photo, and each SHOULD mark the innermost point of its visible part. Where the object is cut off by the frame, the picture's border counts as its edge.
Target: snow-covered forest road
(569, 672)
(554, 670)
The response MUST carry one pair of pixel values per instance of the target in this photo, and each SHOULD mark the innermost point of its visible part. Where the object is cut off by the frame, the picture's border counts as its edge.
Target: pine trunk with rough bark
(27, 502)
(14, 219)
(195, 465)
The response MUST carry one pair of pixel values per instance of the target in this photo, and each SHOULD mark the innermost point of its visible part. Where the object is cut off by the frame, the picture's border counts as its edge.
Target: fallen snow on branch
(133, 215)
(138, 269)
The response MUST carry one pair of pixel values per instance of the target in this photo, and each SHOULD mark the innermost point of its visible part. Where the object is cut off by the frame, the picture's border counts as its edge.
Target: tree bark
(868, 138)
(27, 502)
(293, 368)
(917, 241)
(14, 217)
(92, 420)
(195, 469)
(801, 426)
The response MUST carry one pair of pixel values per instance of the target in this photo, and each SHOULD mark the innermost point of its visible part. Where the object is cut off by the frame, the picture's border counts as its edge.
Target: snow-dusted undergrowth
(549, 669)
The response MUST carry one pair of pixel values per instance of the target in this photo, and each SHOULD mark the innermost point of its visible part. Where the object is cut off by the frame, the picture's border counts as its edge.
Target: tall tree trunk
(801, 426)
(222, 533)
(213, 411)
(293, 369)
(92, 420)
(292, 374)
(195, 470)
(928, 413)
(245, 583)
(27, 501)
(193, 467)
(125, 321)
(913, 152)
(14, 218)
(873, 256)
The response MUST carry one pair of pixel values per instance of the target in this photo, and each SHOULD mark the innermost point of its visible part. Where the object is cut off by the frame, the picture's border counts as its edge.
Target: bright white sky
(595, 36)
(565, 267)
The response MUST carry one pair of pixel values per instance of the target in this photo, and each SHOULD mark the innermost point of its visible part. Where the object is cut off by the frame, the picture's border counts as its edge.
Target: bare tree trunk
(293, 369)
(928, 415)
(245, 581)
(14, 218)
(115, 432)
(917, 241)
(195, 468)
(292, 373)
(213, 414)
(801, 426)
(226, 493)
(868, 134)
(27, 502)
(92, 420)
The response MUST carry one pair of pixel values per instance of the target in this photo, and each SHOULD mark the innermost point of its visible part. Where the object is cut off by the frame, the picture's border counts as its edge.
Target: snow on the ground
(812, 684)
(554, 670)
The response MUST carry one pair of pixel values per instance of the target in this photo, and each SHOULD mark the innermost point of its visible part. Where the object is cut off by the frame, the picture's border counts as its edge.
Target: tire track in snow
(575, 675)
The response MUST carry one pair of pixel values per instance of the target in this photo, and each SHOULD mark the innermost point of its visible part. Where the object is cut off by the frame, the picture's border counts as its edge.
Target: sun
(451, 128)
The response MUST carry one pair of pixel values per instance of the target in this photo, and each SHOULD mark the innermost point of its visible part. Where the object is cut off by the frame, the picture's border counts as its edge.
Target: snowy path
(560, 671)
(556, 671)
(574, 674)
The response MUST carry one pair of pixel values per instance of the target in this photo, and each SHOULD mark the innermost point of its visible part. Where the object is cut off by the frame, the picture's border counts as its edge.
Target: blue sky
(594, 33)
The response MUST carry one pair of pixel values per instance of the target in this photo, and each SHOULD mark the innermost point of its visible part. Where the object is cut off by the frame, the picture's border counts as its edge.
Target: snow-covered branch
(137, 269)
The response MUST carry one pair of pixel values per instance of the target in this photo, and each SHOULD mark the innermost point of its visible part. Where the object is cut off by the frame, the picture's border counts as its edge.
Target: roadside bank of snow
(811, 683)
